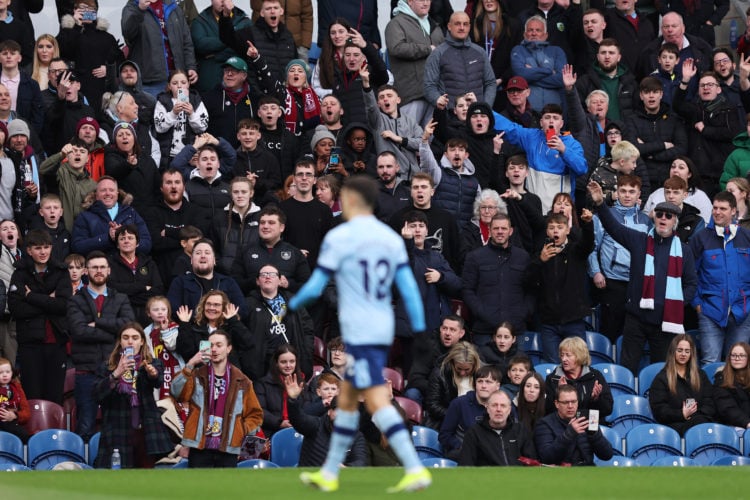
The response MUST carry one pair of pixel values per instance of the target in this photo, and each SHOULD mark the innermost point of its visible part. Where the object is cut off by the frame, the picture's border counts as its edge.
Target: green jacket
(738, 161)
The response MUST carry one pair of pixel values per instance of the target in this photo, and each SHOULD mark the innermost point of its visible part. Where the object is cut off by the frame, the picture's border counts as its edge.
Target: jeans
(414, 394)
(86, 405)
(552, 335)
(716, 341)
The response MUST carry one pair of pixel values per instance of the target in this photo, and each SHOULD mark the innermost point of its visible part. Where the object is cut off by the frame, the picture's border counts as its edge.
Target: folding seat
(629, 411)
(647, 442)
(621, 380)
(426, 442)
(93, 447)
(531, 344)
(285, 447)
(646, 377)
(545, 369)
(731, 460)
(614, 438)
(257, 463)
(438, 463)
(704, 443)
(616, 462)
(674, 461)
(600, 348)
(711, 369)
(320, 352)
(50, 447)
(11, 449)
(45, 415)
(397, 380)
(412, 408)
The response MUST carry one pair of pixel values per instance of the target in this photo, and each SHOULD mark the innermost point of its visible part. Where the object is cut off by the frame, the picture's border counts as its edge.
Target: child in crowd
(667, 59)
(178, 117)
(690, 220)
(327, 387)
(50, 220)
(501, 349)
(624, 156)
(76, 264)
(518, 367)
(161, 338)
(256, 163)
(14, 408)
(189, 236)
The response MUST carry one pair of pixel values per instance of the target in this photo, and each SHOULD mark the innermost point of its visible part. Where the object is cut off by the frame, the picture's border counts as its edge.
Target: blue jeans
(86, 405)
(552, 335)
(716, 341)
(154, 88)
(414, 394)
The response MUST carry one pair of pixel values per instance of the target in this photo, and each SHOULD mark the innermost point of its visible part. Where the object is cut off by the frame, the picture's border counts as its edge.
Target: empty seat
(648, 442)
(50, 447)
(629, 411)
(93, 447)
(711, 369)
(674, 461)
(397, 380)
(11, 449)
(614, 438)
(621, 380)
(600, 348)
(646, 377)
(704, 443)
(531, 344)
(412, 409)
(732, 460)
(285, 447)
(45, 415)
(616, 462)
(320, 353)
(438, 463)
(426, 442)
(544, 369)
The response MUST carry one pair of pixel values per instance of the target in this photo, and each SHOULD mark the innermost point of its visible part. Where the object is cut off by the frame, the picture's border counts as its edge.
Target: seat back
(621, 380)
(615, 462)
(545, 369)
(320, 353)
(600, 348)
(257, 463)
(531, 344)
(704, 443)
(9, 467)
(648, 442)
(412, 409)
(426, 442)
(614, 438)
(674, 461)
(45, 415)
(732, 460)
(397, 380)
(285, 447)
(646, 377)
(50, 447)
(11, 449)
(438, 463)
(711, 369)
(93, 447)
(629, 411)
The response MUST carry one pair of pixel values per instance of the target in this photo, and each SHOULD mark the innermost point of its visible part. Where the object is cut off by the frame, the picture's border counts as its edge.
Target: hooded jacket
(145, 101)
(144, 37)
(456, 67)
(349, 156)
(540, 64)
(738, 161)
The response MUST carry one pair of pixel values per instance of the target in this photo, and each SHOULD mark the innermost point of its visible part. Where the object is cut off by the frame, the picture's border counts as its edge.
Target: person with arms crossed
(366, 257)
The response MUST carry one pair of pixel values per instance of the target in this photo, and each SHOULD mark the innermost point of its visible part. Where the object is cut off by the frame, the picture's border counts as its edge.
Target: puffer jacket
(211, 196)
(232, 236)
(91, 229)
(298, 16)
(738, 161)
(732, 403)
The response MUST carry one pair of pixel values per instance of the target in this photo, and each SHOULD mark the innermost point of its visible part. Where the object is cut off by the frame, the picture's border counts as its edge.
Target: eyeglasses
(663, 215)
(268, 274)
(708, 85)
(304, 174)
(338, 350)
(613, 133)
(723, 61)
(488, 207)
(568, 403)
(738, 356)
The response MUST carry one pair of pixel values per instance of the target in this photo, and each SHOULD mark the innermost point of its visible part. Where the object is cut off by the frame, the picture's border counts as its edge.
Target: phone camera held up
(334, 161)
(88, 15)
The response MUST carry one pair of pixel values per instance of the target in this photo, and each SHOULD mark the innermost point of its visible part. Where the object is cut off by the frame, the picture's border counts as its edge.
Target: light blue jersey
(364, 255)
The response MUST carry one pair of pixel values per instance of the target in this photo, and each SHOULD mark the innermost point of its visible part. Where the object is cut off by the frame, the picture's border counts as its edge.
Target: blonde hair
(625, 150)
(159, 298)
(37, 67)
(462, 352)
(577, 347)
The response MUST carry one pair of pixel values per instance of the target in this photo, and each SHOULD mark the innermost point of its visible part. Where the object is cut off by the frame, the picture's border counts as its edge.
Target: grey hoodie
(146, 102)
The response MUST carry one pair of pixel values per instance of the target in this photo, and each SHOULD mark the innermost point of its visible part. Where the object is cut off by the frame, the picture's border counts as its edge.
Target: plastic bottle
(733, 34)
(116, 462)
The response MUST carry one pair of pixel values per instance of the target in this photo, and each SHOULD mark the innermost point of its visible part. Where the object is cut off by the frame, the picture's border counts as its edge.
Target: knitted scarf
(672, 320)
(128, 386)
(304, 100)
(218, 389)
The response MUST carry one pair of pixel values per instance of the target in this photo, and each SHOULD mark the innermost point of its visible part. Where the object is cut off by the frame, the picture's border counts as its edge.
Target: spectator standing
(298, 18)
(25, 96)
(362, 15)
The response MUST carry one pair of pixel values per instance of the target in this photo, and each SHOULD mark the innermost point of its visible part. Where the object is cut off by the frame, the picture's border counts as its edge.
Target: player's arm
(312, 289)
(409, 290)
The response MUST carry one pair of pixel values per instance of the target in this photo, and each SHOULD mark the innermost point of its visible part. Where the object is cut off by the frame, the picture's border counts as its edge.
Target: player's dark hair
(365, 187)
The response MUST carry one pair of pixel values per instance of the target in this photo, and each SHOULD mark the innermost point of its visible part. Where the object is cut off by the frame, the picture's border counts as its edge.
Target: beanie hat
(18, 127)
(299, 62)
(321, 132)
(479, 108)
(120, 125)
(87, 120)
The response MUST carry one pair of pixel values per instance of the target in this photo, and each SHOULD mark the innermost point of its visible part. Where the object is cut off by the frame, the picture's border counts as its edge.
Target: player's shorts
(364, 365)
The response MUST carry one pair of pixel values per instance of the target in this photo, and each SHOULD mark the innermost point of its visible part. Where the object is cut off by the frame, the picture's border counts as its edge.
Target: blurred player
(366, 257)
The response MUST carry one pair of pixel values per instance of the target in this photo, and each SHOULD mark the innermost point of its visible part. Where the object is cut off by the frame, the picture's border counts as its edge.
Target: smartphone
(689, 402)
(335, 158)
(182, 95)
(88, 15)
(204, 346)
(550, 133)
(129, 352)
(593, 420)
(549, 241)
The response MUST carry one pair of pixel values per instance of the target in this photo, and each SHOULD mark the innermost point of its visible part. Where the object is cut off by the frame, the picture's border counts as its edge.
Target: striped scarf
(672, 320)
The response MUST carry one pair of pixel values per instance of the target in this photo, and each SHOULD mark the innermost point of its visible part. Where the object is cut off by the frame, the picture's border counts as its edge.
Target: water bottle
(116, 462)
(733, 34)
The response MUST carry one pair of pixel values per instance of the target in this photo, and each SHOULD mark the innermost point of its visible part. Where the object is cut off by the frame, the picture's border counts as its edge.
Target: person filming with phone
(569, 436)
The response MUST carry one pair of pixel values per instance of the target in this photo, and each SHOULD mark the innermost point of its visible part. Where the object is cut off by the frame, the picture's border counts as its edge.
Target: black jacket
(558, 443)
(92, 345)
(317, 432)
(232, 236)
(584, 386)
(287, 258)
(491, 355)
(142, 180)
(441, 391)
(263, 164)
(667, 407)
(60, 236)
(133, 284)
(32, 311)
(632, 42)
(212, 197)
(485, 446)
(190, 335)
(732, 403)
(297, 326)
(427, 350)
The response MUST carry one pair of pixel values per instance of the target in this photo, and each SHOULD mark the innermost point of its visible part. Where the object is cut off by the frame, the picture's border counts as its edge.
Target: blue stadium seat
(257, 463)
(438, 463)
(600, 348)
(9, 467)
(621, 380)
(182, 464)
(674, 461)
(50, 447)
(646, 377)
(648, 442)
(732, 460)
(545, 369)
(531, 344)
(616, 462)
(285, 447)
(746, 441)
(711, 369)
(93, 447)
(629, 411)
(614, 438)
(426, 442)
(704, 443)
(11, 449)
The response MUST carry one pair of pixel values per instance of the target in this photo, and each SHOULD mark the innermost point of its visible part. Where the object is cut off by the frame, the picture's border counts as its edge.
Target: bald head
(459, 25)
(673, 28)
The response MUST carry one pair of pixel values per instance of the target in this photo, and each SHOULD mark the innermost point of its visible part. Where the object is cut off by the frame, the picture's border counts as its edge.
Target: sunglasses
(663, 215)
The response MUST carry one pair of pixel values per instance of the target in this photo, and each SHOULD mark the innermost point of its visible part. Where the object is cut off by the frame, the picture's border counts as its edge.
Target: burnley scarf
(302, 109)
(672, 320)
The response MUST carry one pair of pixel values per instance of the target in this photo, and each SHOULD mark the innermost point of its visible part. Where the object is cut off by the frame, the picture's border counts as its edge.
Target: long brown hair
(328, 61)
(144, 353)
(734, 377)
(530, 412)
(199, 318)
(692, 372)
(483, 24)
